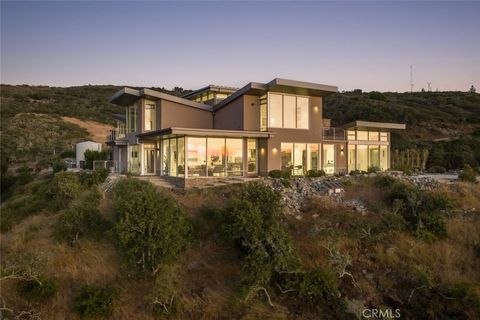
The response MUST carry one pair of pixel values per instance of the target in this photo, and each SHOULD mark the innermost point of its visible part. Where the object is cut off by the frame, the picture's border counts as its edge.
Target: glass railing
(117, 134)
(333, 134)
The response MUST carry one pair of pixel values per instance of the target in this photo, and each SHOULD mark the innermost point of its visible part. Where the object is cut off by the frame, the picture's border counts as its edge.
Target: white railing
(111, 165)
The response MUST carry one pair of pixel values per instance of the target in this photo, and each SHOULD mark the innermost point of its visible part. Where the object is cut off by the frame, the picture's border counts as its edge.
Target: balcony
(117, 134)
(333, 134)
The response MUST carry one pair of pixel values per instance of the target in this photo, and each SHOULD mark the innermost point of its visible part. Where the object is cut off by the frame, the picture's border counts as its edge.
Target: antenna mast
(411, 78)
(429, 84)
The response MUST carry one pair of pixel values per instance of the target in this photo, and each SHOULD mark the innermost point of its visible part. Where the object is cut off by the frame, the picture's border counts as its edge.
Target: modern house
(218, 132)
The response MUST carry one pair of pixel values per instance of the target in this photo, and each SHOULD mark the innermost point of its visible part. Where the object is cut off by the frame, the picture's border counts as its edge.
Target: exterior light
(274, 150)
(262, 151)
(341, 150)
(315, 108)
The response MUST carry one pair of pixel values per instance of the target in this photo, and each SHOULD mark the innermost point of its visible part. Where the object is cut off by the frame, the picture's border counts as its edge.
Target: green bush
(83, 218)
(91, 155)
(279, 174)
(65, 188)
(314, 284)
(375, 95)
(373, 169)
(94, 302)
(436, 169)
(315, 173)
(67, 154)
(253, 221)
(286, 183)
(150, 227)
(468, 174)
(37, 289)
(90, 178)
(59, 165)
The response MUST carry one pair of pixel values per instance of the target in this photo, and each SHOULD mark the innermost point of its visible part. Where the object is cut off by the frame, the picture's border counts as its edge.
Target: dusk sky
(367, 45)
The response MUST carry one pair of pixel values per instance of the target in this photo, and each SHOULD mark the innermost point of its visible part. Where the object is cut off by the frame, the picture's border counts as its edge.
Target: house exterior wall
(173, 114)
(230, 117)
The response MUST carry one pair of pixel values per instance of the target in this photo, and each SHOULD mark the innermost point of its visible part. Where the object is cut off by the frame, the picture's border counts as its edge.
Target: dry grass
(98, 131)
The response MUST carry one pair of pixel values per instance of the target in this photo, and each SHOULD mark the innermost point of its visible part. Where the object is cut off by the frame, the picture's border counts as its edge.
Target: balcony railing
(333, 134)
(117, 134)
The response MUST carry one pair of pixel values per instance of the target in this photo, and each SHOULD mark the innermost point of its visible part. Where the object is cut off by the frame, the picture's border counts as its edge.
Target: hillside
(73, 257)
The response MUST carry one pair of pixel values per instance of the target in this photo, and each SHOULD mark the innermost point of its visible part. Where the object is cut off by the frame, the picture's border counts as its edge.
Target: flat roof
(280, 85)
(359, 124)
(205, 133)
(211, 87)
(127, 96)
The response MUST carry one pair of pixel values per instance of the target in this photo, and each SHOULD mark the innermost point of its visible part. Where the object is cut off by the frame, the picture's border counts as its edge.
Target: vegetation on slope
(246, 259)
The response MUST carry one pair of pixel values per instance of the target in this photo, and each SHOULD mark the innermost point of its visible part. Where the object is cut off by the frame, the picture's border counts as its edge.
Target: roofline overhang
(359, 124)
(204, 133)
(212, 88)
(126, 96)
(280, 85)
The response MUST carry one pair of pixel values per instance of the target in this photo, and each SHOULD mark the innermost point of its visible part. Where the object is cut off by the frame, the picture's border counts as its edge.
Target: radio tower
(411, 78)
(429, 84)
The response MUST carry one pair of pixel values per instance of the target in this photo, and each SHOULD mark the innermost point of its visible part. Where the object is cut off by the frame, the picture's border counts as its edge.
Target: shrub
(37, 289)
(436, 169)
(315, 173)
(24, 175)
(253, 220)
(59, 165)
(93, 178)
(65, 188)
(279, 174)
(373, 169)
(82, 218)
(286, 183)
(67, 154)
(150, 227)
(314, 285)
(385, 181)
(94, 301)
(375, 95)
(468, 174)
(91, 155)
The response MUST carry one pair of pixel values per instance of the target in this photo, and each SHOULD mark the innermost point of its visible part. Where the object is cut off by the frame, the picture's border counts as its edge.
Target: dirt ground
(98, 131)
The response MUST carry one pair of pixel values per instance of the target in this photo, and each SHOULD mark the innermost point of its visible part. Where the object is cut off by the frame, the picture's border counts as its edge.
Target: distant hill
(447, 123)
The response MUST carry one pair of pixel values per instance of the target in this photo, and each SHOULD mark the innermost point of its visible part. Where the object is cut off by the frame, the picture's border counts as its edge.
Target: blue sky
(367, 45)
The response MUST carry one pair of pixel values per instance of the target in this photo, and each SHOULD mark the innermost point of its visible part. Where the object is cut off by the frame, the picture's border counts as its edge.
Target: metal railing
(111, 165)
(117, 134)
(333, 134)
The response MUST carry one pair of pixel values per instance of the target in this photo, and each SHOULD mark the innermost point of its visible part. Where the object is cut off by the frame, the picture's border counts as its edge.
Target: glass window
(329, 158)
(289, 112)
(351, 157)
(362, 157)
(132, 118)
(149, 116)
(276, 113)
(197, 157)
(299, 159)
(374, 157)
(234, 157)
(383, 158)
(134, 163)
(252, 155)
(373, 135)
(221, 96)
(181, 157)
(312, 157)
(216, 157)
(302, 113)
(351, 135)
(173, 157)
(362, 135)
(287, 156)
(166, 157)
(263, 113)
(383, 136)
(210, 96)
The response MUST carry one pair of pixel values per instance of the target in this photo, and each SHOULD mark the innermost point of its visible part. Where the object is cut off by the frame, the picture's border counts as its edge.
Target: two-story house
(218, 132)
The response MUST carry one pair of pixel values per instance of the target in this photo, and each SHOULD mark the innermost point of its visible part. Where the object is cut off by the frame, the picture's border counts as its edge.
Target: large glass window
(362, 135)
(289, 111)
(166, 157)
(299, 159)
(287, 156)
(362, 157)
(351, 157)
(132, 118)
(216, 157)
(275, 111)
(302, 113)
(252, 155)
(263, 113)
(374, 156)
(383, 158)
(181, 157)
(383, 136)
(313, 157)
(351, 135)
(373, 135)
(173, 157)
(329, 158)
(197, 157)
(149, 116)
(234, 157)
